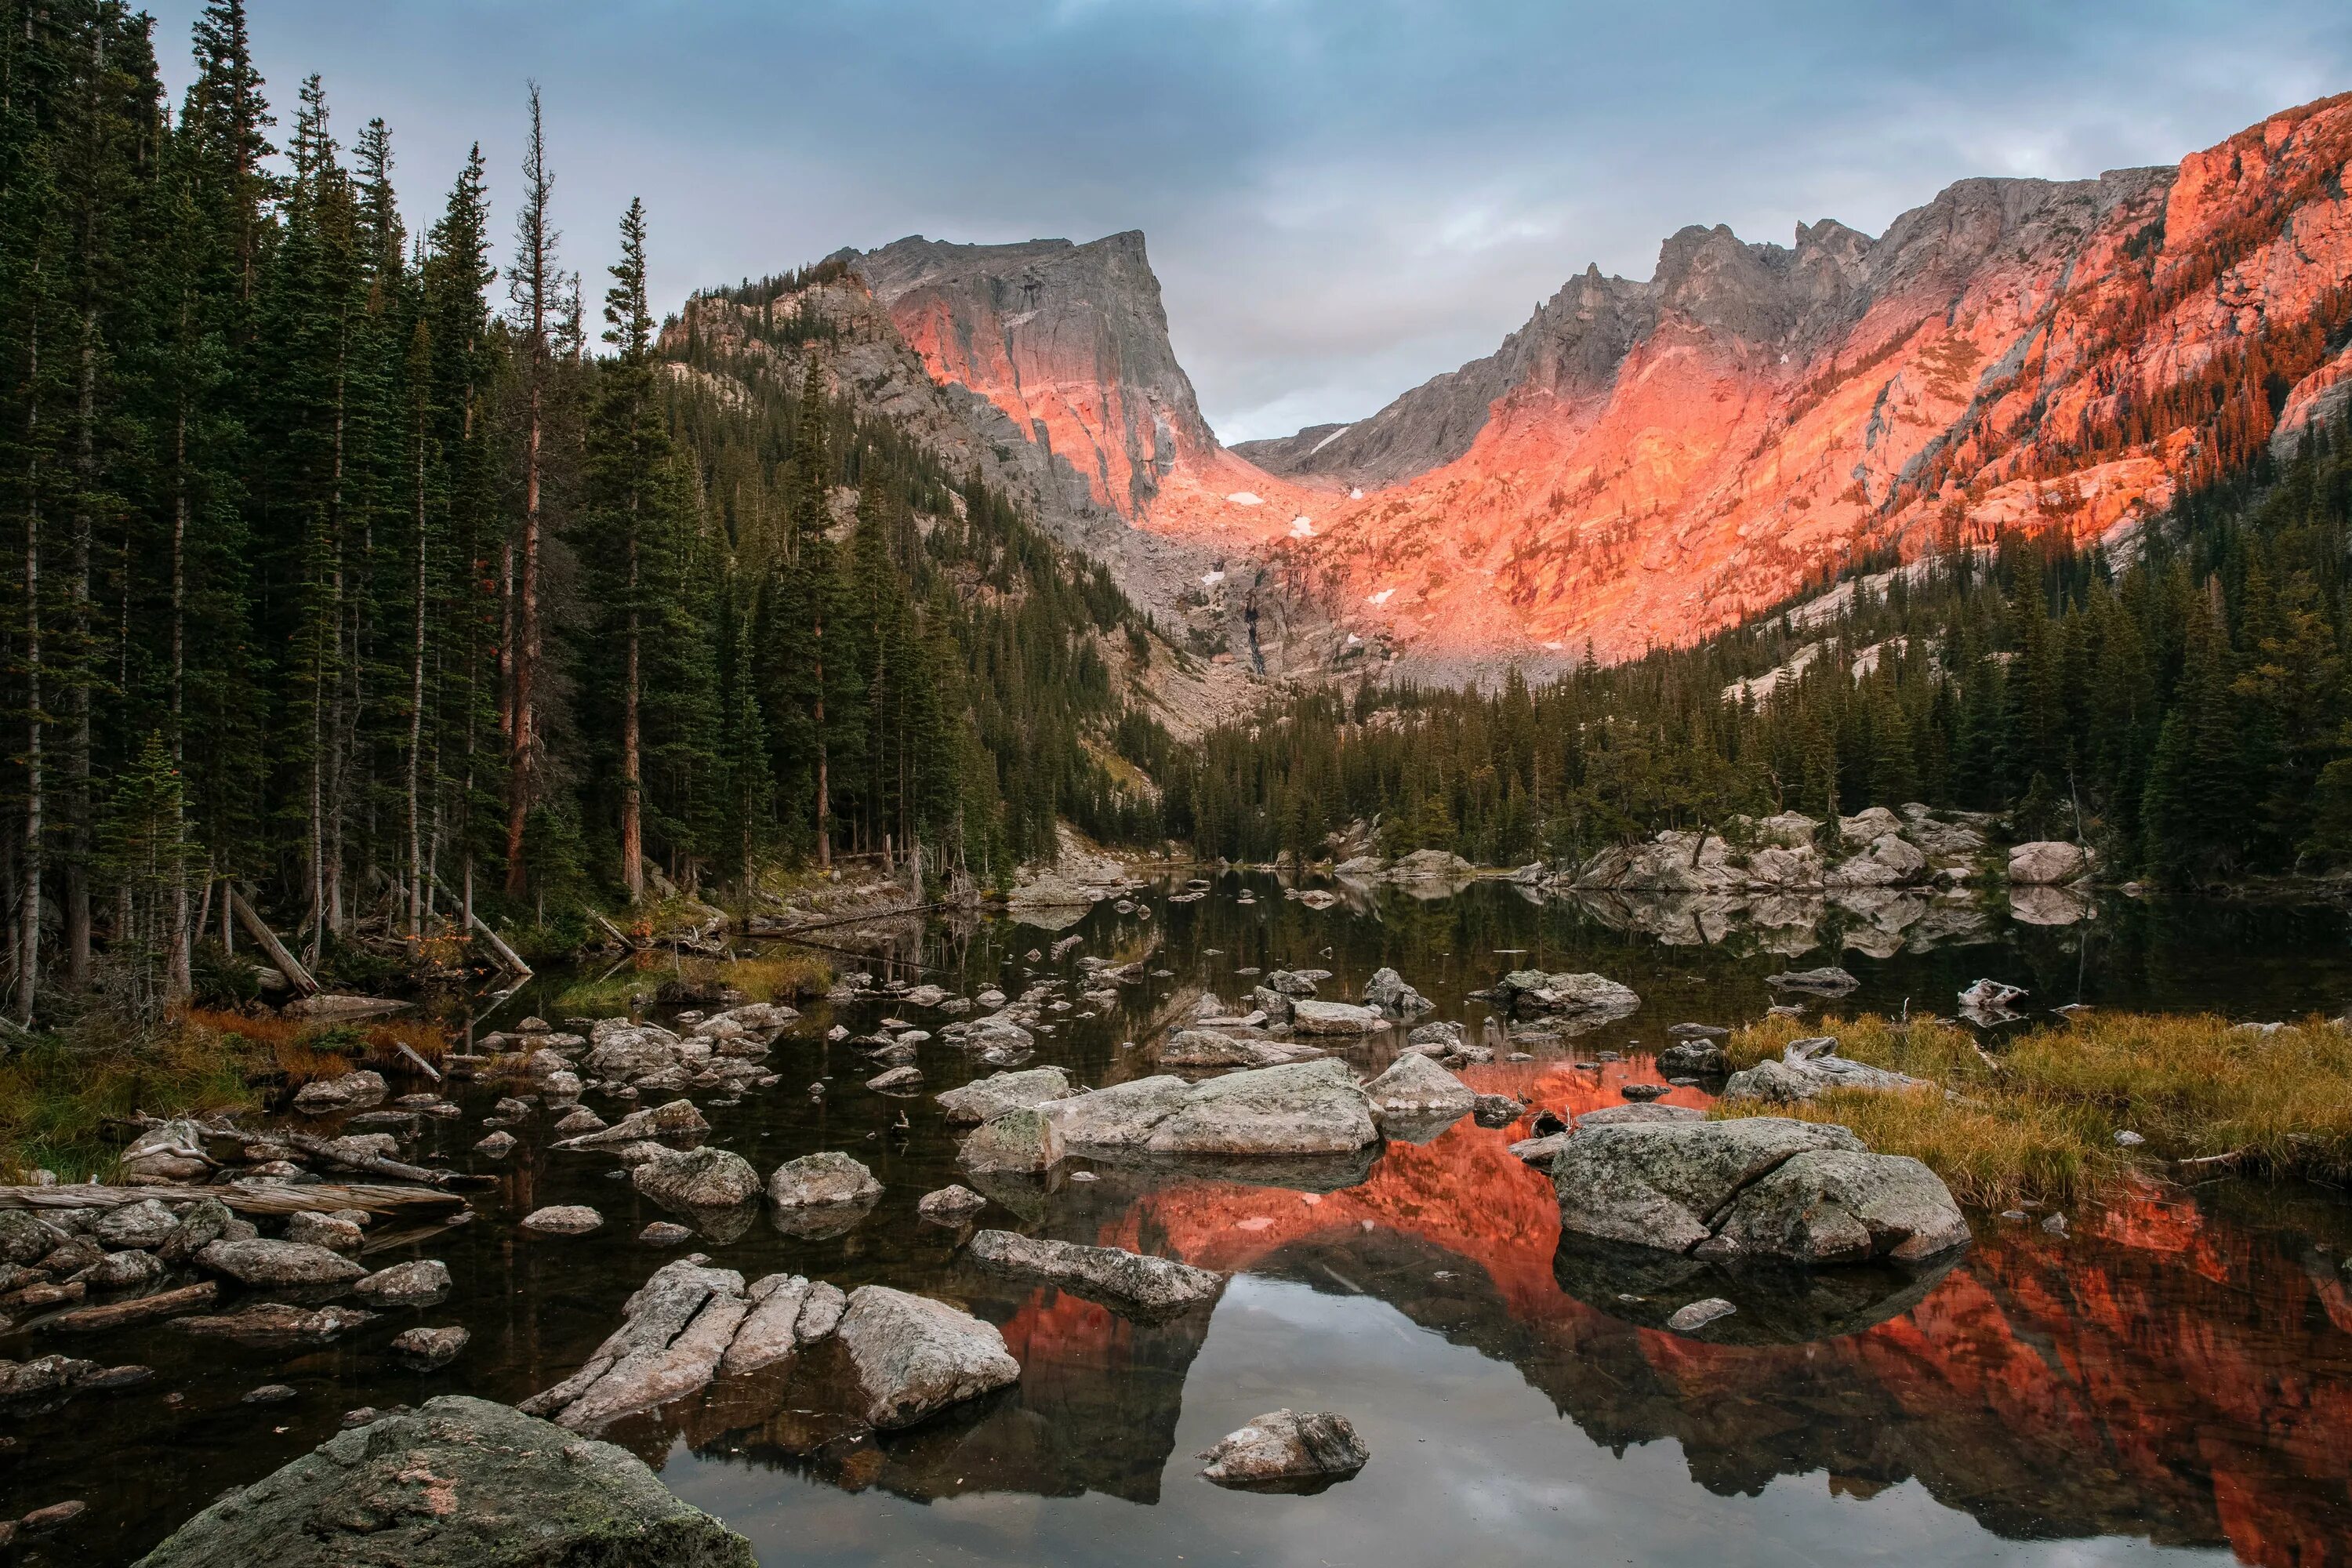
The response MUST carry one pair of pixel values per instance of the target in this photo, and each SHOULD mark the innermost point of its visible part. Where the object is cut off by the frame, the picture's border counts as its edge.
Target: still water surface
(2172, 1382)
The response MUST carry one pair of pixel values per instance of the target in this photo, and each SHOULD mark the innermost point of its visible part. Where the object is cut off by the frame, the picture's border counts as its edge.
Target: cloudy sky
(1342, 197)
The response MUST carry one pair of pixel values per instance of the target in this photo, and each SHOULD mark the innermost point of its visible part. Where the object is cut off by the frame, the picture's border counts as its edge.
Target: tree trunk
(29, 956)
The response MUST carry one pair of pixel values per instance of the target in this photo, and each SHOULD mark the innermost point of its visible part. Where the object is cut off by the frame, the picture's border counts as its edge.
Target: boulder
(562, 1219)
(1131, 1282)
(982, 1098)
(1532, 994)
(1387, 991)
(1799, 1075)
(677, 1118)
(1414, 1088)
(1287, 1450)
(1717, 1189)
(1842, 1205)
(949, 1205)
(703, 1178)
(674, 1330)
(275, 1323)
(144, 1225)
(1696, 1056)
(1312, 1017)
(351, 1091)
(459, 1483)
(200, 1223)
(269, 1263)
(330, 1231)
(913, 1355)
(770, 1332)
(1829, 979)
(1306, 1107)
(429, 1349)
(1123, 1116)
(1021, 1140)
(1431, 865)
(1203, 1048)
(2045, 862)
(1789, 830)
(121, 1270)
(897, 1080)
(822, 1181)
(1618, 1115)
(419, 1283)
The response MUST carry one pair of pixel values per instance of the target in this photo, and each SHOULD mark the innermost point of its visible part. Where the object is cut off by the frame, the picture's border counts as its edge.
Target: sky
(1340, 199)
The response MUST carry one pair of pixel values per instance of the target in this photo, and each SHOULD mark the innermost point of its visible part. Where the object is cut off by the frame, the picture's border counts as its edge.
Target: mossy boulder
(459, 1483)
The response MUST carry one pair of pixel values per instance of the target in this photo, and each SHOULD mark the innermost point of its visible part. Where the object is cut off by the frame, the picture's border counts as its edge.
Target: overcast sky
(1341, 199)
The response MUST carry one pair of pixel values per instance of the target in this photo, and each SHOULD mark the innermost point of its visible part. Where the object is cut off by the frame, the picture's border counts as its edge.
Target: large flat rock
(460, 1483)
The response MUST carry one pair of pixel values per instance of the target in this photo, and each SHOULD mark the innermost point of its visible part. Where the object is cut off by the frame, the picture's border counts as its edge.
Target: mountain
(1644, 462)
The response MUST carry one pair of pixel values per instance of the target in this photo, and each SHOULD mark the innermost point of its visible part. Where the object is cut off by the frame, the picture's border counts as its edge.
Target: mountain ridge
(1643, 462)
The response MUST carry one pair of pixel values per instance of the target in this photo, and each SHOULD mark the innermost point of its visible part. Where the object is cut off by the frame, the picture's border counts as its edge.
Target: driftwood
(373, 1165)
(430, 1070)
(410, 1235)
(615, 932)
(258, 929)
(140, 1310)
(265, 1198)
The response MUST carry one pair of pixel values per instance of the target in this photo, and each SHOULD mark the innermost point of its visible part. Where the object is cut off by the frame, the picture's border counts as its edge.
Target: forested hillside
(2182, 705)
(383, 568)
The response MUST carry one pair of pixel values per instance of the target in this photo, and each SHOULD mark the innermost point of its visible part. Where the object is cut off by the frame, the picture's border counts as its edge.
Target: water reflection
(2176, 1373)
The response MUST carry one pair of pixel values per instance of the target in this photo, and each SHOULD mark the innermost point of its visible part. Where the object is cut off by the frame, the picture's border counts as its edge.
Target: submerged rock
(822, 1181)
(1828, 978)
(262, 1262)
(428, 1349)
(1698, 1315)
(1132, 1282)
(914, 1355)
(949, 1205)
(274, 1322)
(459, 1483)
(1287, 1450)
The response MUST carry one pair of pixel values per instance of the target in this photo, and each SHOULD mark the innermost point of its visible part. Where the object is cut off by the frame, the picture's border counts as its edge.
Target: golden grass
(2035, 1118)
(778, 976)
(58, 1092)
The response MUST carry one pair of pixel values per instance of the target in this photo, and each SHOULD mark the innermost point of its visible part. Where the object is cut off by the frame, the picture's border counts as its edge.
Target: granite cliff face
(1645, 462)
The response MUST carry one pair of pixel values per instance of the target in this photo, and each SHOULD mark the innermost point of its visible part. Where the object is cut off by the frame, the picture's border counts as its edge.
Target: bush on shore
(2034, 1115)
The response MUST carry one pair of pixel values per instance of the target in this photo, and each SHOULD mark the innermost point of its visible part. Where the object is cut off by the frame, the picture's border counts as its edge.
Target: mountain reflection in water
(2172, 1379)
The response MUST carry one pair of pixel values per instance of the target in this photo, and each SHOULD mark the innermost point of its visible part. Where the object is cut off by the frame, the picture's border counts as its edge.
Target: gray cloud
(1342, 198)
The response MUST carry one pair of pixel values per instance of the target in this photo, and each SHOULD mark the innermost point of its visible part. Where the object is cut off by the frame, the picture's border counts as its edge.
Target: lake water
(2173, 1381)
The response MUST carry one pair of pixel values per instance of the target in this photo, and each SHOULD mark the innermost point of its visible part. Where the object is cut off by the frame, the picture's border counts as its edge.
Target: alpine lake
(2171, 1381)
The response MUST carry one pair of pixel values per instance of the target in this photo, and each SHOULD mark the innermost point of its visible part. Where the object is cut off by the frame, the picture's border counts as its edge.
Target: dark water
(2174, 1379)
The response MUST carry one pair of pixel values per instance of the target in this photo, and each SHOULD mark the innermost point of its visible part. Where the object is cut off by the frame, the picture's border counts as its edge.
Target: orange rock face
(1668, 457)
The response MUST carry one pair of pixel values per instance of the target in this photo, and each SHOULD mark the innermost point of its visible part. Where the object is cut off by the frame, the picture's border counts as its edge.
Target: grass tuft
(2035, 1118)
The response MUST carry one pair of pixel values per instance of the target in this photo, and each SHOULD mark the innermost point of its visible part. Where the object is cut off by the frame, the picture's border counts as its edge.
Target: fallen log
(258, 929)
(507, 955)
(122, 1314)
(248, 1198)
(373, 1165)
